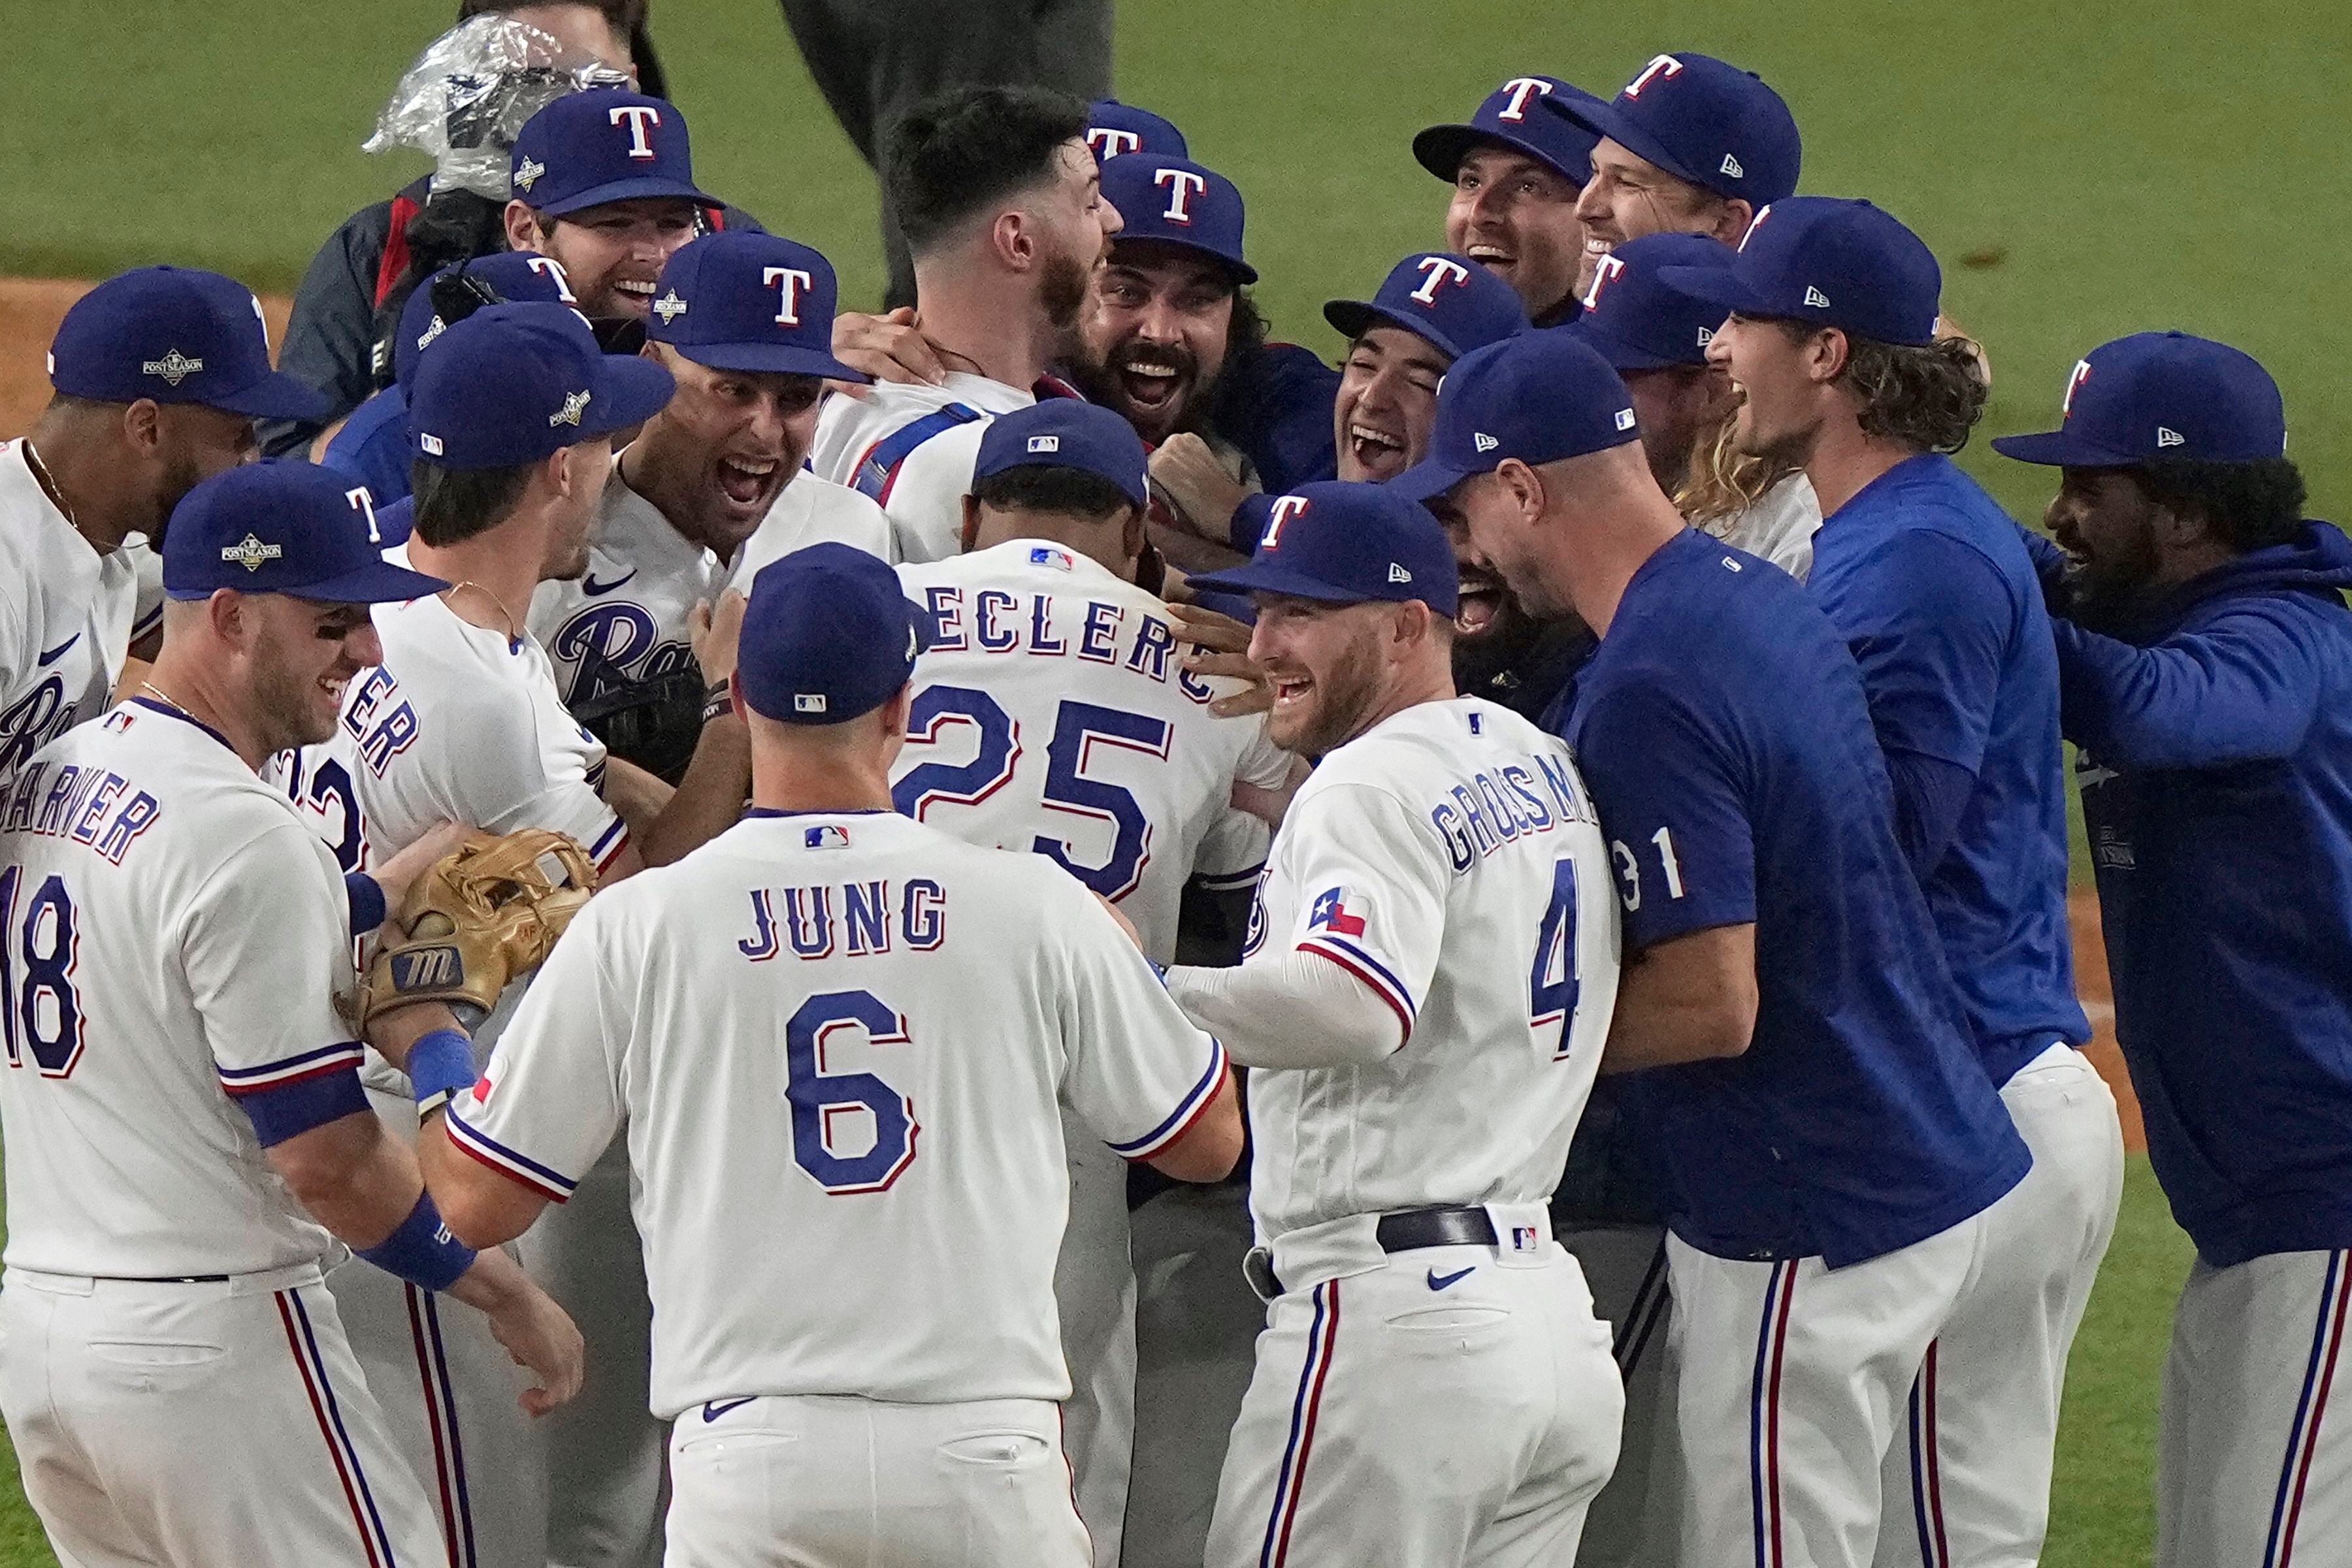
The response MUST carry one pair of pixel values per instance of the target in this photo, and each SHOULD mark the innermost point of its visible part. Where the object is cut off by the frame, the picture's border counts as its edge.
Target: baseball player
(1115, 129)
(1830, 1146)
(2205, 657)
(159, 376)
(1832, 336)
(1002, 210)
(1424, 999)
(1518, 170)
(741, 323)
(1053, 713)
(511, 414)
(187, 1138)
(917, 1006)
(372, 445)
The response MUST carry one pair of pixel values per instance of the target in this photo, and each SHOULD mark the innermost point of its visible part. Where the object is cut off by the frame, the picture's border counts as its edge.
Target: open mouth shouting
(1377, 451)
(1152, 380)
(750, 484)
(1479, 602)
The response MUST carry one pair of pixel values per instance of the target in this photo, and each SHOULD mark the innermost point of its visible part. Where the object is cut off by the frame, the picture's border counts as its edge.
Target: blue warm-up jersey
(1925, 578)
(1722, 729)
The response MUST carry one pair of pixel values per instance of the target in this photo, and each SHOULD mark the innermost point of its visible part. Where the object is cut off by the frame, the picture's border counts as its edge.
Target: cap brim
(1242, 271)
(377, 582)
(1602, 119)
(1254, 577)
(1429, 479)
(778, 359)
(275, 396)
(1623, 356)
(1353, 317)
(645, 187)
(629, 391)
(1716, 286)
(1440, 148)
(2057, 449)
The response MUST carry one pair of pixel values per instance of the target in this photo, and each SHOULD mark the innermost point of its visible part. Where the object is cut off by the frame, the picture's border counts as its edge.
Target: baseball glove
(484, 914)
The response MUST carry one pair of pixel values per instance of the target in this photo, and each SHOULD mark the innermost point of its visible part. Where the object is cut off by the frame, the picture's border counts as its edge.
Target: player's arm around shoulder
(2245, 685)
(1153, 1086)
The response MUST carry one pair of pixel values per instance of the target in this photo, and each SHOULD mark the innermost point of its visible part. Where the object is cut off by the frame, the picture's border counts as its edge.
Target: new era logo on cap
(1731, 167)
(1816, 299)
(1483, 442)
(250, 552)
(2168, 437)
(1045, 443)
(1397, 574)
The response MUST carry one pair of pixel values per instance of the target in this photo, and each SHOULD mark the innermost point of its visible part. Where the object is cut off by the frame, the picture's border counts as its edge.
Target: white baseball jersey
(911, 449)
(1053, 714)
(175, 937)
(814, 512)
(1450, 859)
(147, 568)
(65, 617)
(838, 1042)
(624, 622)
(1780, 526)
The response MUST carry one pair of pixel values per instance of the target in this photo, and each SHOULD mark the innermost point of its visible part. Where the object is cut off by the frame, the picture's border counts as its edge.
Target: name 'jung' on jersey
(804, 920)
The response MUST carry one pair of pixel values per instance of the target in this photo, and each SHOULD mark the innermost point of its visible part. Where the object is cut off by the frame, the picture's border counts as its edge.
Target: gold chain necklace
(49, 483)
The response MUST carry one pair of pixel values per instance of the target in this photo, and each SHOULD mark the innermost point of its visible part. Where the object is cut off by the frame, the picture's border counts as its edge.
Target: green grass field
(2110, 167)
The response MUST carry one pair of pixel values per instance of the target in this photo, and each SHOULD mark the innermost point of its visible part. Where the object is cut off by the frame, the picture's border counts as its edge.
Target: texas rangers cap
(2160, 398)
(1177, 201)
(1115, 129)
(1828, 263)
(510, 384)
(1065, 433)
(1703, 120)
(828, 635)
(741, 300)
(1635, 321)
(1540, 396)
(282, 527)
(1511, 117)
(171, 334)
(1346, 543)
(1451, 301)
(586, 148)
(462, 287)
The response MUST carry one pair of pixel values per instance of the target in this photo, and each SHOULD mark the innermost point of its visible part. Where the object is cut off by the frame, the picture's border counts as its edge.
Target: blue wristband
(364, 894)
(439, 1065)
(422, 1251)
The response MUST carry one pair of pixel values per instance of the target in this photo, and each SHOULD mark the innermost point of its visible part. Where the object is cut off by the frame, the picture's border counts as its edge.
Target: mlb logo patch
(431, 443)
(1045, 555)
(1625, 419)
(825, 835)
(1045, 443)
(1330, 913)
(1523, 1238)
(808, 702)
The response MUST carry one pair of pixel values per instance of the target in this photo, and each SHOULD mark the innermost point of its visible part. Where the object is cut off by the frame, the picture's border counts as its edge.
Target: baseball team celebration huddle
(1032, 930)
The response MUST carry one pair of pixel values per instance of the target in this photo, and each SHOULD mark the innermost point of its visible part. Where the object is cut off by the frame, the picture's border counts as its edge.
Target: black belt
(161, 1278)
(1411, 1230)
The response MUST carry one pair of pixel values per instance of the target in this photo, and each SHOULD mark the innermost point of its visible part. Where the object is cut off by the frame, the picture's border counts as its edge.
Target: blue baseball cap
(1702, 120)
(1451, 301)
(282, 527)
(1511, 116)
(511, 383)
(1635, 321)
(1541, 396)
(1828, 263)
(741, 300)
(1115, 129)
(586, 148)
(1345, 543)
(1065, 433)
(171, 334)
(828, 635)
(503, 277)
(2160, 398)
(1177, 201)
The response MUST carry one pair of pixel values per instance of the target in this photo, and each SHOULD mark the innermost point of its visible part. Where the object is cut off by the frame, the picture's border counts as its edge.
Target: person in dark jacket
(2205, 661)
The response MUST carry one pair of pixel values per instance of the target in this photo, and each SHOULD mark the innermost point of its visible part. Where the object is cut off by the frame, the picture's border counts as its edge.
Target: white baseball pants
(1444, 1407)
(2254, 1440)
(838, 1482)
(202, 1424)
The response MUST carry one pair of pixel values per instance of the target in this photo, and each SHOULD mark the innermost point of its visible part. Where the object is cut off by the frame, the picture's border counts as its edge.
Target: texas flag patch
(1330, 913)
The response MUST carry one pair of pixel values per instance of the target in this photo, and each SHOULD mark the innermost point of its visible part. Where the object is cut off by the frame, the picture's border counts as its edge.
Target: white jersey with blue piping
(1449, 860)
(1053, 714)
(910, 450)
(838, 1042)
(64, 617)
(177, 937)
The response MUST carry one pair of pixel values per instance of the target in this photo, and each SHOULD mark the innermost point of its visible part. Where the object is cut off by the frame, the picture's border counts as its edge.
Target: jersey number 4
(45, 1011)
(1552, 985)
(1078, 728)
(850, 1131)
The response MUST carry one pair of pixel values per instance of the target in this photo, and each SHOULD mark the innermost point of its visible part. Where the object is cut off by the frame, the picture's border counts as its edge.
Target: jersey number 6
(828, 1108)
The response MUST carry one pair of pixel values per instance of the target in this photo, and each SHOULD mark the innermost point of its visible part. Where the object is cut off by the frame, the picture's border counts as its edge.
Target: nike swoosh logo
(57, 652)
(1439, 1281)
(718, 1407)
(593, 587)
